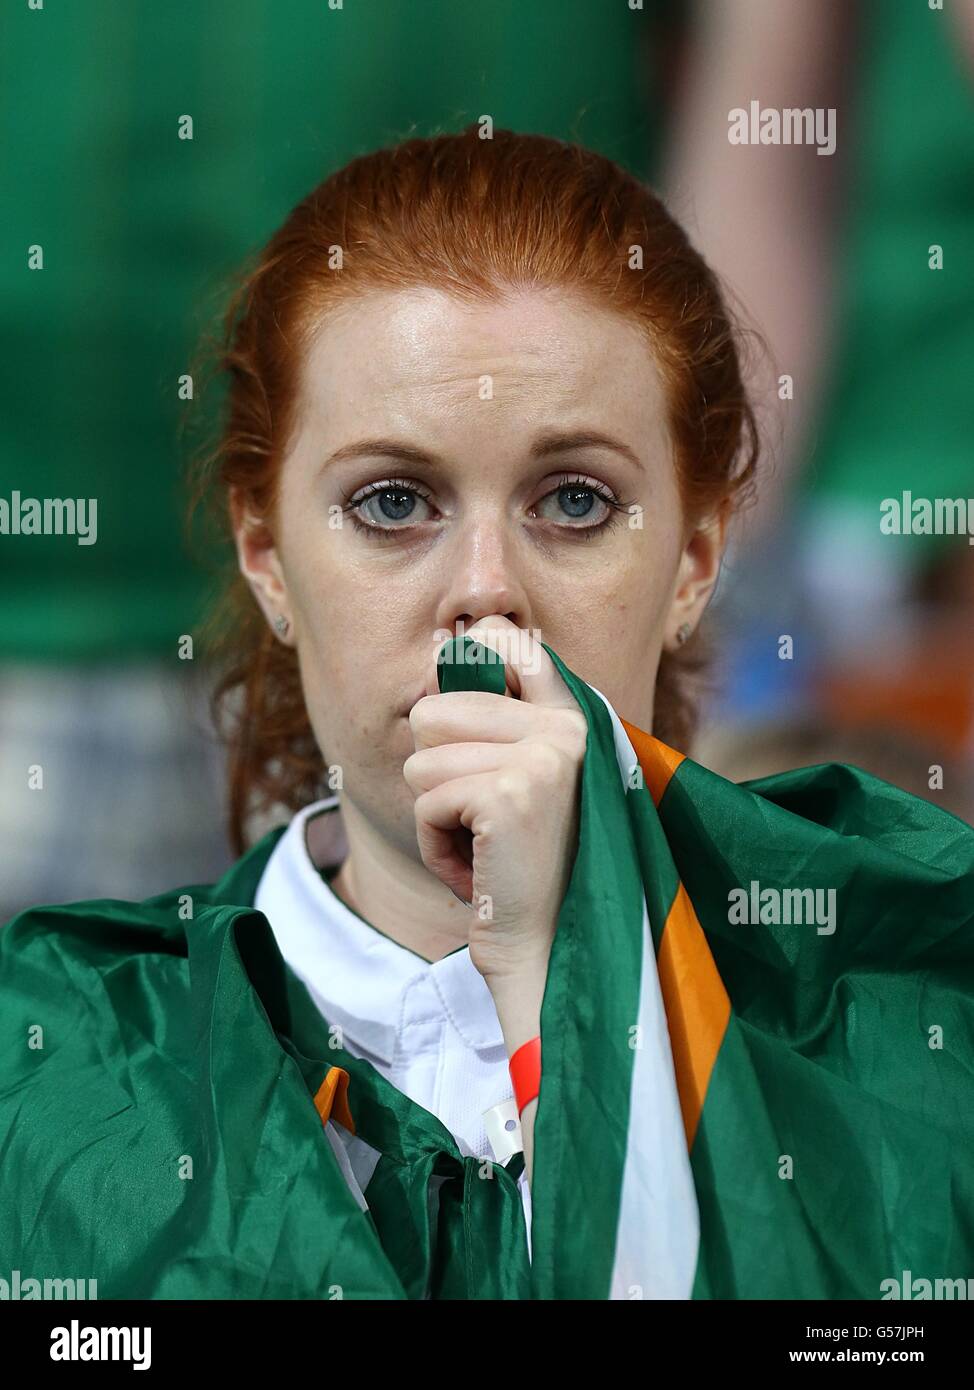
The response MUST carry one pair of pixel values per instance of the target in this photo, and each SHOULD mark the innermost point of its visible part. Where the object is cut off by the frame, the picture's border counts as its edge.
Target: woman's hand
(496, 781)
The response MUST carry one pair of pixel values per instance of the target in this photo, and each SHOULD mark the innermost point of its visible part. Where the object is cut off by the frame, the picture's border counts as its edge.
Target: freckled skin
(491, 535)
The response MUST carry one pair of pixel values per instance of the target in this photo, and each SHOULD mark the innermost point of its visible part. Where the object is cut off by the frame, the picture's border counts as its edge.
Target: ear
(696, 577)
(260, 565)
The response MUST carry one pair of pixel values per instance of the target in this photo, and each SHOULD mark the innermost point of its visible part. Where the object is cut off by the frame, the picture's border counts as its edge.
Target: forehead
(407, 356)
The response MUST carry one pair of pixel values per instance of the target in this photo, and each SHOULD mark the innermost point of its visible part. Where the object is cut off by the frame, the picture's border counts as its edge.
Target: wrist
(518, 999)
(509, 968)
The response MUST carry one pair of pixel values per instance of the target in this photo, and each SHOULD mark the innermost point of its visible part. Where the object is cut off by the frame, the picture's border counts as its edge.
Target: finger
(530, 673)
(445, 817)
(473, 716)
(450, 817)
(430, 767)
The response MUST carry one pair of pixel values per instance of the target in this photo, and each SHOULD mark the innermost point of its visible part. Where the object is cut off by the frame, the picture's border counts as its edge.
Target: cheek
(659, 572)
(351, 726)
(349, 693)
(636, 593)
(616, 631)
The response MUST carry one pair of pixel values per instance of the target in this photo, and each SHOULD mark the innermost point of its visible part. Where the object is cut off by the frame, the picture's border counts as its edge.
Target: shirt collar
(356, 975)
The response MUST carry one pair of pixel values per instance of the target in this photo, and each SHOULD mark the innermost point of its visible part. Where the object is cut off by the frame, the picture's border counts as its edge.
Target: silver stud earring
(281, 625)
(682, 633)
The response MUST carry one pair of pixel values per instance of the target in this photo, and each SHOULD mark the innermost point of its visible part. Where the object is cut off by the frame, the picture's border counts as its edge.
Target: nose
(481, 579)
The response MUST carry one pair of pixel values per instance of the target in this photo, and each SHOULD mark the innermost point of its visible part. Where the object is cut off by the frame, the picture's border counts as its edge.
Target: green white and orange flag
(757, 1061)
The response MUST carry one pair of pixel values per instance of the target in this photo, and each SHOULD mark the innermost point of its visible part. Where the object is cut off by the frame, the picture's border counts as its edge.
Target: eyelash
(352, 503)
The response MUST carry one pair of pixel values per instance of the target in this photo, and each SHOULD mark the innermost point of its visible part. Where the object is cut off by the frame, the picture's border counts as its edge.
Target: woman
(485, 433)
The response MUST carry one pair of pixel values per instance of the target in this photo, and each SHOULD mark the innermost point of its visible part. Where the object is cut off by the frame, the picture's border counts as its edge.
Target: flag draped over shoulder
(757, 1037)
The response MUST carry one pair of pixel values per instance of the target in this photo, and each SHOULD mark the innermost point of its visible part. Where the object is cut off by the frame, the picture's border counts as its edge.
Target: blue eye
(575, 496)
(395, 501)
(577, 499)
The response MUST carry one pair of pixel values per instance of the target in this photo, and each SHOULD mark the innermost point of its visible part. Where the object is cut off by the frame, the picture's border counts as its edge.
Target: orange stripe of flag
(697, 1004)
(331, 1098)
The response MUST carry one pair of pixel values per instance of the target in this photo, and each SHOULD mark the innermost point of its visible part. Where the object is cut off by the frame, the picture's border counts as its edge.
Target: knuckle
(548, 762)
(514, 786)
(577, 726)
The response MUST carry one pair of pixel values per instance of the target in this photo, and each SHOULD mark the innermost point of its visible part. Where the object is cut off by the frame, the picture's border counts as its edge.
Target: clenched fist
(496, 780)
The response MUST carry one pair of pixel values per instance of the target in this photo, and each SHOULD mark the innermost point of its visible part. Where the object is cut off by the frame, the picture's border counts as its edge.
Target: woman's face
(490, 434)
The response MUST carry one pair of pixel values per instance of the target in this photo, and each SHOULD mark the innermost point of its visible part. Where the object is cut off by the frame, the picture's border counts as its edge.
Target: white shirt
(430, 1028)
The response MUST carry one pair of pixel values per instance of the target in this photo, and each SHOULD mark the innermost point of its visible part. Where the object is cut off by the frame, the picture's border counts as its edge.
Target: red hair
(473, 217)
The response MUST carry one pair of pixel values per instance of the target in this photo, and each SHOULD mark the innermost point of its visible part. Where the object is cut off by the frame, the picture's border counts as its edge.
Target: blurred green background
(141, 232)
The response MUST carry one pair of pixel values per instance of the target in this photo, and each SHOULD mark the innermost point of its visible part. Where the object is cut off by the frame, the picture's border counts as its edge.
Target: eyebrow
(552, 442)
